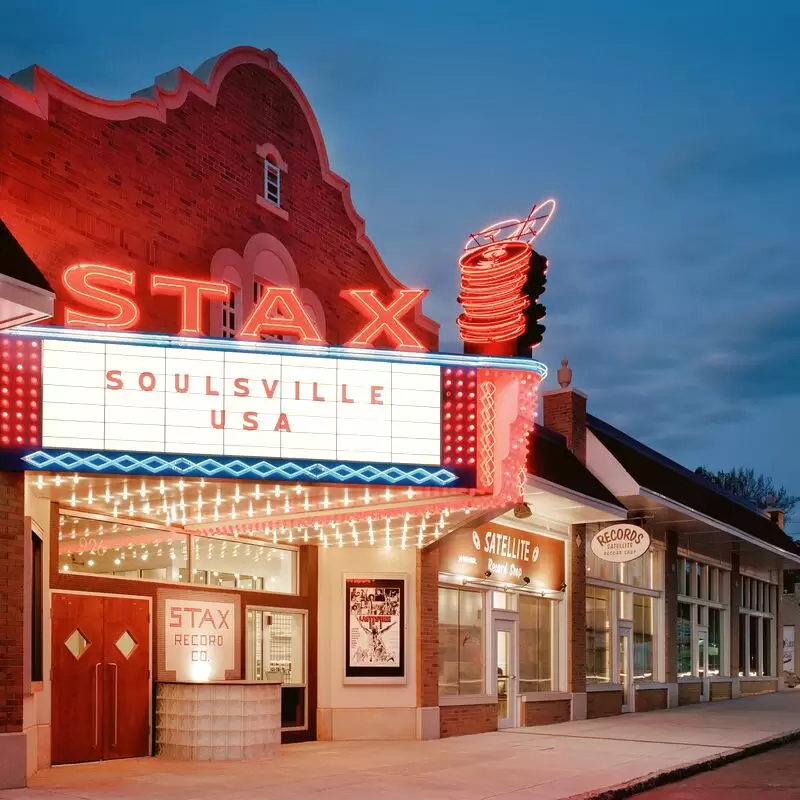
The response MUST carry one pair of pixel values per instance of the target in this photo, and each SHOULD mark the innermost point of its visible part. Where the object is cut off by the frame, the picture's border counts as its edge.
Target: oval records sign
(620, 543)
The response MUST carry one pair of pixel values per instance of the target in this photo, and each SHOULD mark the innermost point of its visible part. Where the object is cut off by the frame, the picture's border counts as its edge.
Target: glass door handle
(116, 698)
(96, 704)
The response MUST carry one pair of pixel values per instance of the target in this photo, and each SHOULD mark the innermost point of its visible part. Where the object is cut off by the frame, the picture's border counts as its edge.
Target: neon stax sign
(107, 293)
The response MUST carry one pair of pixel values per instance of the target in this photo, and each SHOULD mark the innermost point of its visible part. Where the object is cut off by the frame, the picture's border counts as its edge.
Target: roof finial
(564, 374)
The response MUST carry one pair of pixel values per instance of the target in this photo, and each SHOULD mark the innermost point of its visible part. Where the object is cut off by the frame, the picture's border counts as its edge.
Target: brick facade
(651, 699)
(721, 690)
(603, 704)
(428, 627)
(576, 626)
(466, 720)
(163, 185)
(546, 712)
(689, 693)
(671, 606)
(12, 587)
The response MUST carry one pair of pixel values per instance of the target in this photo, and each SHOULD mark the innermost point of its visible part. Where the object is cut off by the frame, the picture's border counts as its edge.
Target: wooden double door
(101, 678)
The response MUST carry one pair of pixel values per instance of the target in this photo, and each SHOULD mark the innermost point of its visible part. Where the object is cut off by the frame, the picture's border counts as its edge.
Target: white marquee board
(98, 396)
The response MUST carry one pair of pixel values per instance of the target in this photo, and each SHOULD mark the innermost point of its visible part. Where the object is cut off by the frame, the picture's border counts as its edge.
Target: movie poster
(375, 628)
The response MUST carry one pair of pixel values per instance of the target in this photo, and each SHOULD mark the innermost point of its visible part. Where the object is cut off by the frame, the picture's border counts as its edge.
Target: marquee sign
(151, 404)
(169, 400)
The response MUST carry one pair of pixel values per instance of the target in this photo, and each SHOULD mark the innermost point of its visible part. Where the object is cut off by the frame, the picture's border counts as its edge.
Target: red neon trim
(385, 319)
(192, 293)
(279, 311)
(81, 281)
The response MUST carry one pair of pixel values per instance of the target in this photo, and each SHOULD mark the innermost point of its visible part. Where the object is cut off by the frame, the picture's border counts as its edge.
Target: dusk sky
(668, 133)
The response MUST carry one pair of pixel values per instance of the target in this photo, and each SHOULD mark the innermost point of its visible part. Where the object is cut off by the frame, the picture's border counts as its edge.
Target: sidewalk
(544, 763)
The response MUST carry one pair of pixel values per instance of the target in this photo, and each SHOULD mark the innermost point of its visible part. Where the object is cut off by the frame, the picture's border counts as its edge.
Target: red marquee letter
(385, 318)
(192, 293)
(85, 281)
(280, 311)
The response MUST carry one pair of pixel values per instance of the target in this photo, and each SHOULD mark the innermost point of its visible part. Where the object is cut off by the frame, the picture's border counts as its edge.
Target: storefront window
(637, 572)
(714, 642)
(237, 564)
(642, 638)
(276, 650)
(601, 570)
(124, 550)
(598, 635)
(535, 644)
(684, 640)
(756, 628)
(461, 664)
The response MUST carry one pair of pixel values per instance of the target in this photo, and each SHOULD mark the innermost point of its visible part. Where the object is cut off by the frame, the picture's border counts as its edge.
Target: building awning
(25, 294)
(559, 486)
(698, 509)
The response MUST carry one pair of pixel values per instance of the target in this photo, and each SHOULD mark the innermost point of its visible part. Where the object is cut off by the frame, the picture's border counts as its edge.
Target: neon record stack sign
(494, 269)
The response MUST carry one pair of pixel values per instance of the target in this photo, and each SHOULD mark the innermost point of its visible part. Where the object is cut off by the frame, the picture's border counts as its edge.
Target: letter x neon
(385, 319)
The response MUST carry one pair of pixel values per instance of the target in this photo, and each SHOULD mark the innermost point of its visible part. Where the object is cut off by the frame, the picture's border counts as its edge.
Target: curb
(656, 779)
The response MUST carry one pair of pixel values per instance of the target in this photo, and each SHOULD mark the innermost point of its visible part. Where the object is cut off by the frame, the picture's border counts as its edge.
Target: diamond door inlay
(77, 643)
(126, 644)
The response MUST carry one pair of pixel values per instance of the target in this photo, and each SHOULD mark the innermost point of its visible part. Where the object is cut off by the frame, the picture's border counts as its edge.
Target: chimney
(775, 515)
(564, 412)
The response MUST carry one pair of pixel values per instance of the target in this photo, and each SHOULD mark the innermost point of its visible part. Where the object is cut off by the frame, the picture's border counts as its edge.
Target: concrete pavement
(573, 759)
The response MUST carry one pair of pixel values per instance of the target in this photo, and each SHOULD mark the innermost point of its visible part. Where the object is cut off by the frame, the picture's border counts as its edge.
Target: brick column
(576, 625)
(428, 643)
(12, 587)
(733, 626)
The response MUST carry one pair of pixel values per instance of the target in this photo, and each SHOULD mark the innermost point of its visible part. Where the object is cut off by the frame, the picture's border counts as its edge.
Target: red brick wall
(12, 551)
(721, 691)
(650, 699)
(464, 720)
(603, 704)
(428, 627)
(148, 195)
(564, 411)
(688, 693)
(671, 606)
(547, 712)
(757, 687)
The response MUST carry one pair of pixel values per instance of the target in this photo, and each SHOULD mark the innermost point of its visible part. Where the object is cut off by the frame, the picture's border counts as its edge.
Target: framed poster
(375, 635)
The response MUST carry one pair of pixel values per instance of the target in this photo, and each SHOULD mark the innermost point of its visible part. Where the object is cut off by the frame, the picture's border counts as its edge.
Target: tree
(759, 490)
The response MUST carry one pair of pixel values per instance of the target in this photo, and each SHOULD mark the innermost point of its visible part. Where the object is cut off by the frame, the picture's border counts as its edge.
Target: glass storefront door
(505, 660)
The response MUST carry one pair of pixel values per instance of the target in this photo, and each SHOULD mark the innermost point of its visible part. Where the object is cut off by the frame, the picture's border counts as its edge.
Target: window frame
(272, 181)
(757, 603)
(485, 609)
(229, 311)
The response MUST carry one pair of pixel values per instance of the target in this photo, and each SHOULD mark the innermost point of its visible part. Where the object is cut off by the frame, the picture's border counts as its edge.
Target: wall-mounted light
(563, 586)
(526, 580)
(522, 511)
(487, 574)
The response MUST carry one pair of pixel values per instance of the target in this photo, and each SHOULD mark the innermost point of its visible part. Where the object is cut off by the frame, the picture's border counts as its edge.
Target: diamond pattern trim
(236, 468)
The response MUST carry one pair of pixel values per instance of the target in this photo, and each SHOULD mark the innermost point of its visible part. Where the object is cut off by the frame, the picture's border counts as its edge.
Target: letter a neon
(279, 311)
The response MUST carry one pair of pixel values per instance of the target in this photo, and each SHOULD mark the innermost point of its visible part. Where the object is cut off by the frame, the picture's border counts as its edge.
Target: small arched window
(272, 181)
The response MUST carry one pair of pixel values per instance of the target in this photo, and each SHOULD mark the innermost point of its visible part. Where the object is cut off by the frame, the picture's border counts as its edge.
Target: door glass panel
(77, 643)
(503, 675)
(623, 668)
(701, 653)
(126, 644)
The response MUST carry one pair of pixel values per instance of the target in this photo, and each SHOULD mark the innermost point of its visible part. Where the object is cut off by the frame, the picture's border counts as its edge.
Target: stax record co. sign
(620, 543)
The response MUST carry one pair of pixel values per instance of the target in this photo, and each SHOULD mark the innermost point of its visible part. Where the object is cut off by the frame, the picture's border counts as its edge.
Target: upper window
(272, 181)
(231, 313)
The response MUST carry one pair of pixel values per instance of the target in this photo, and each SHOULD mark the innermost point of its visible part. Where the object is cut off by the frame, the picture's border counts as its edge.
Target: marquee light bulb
(257, 493)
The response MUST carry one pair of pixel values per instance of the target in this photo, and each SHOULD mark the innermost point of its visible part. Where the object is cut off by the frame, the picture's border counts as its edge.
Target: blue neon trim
(282, 348)
(222, 467)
